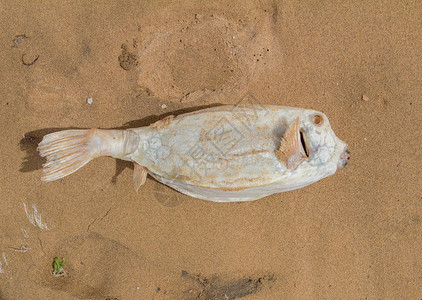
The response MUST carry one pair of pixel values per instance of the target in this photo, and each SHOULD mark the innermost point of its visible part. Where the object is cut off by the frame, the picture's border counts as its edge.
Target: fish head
(320, 144)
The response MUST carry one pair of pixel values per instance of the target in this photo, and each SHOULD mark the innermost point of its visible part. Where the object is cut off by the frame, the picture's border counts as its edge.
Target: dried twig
(31, 63)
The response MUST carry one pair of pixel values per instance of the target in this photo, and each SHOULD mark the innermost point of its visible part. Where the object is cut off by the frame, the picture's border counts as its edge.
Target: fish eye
(317, 119)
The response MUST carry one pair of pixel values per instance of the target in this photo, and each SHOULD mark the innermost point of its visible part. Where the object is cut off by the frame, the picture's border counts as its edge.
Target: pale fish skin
(222, 154)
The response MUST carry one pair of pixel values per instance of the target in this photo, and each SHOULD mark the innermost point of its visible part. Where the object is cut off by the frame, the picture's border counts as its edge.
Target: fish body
(221, 154)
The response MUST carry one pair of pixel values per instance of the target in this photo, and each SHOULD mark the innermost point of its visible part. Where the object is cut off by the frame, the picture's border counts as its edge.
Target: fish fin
(139, 176)
(163, 122)
(66, 151)
(291, 152)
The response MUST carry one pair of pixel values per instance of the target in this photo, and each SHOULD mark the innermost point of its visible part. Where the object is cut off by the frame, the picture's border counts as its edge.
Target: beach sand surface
(121, 64)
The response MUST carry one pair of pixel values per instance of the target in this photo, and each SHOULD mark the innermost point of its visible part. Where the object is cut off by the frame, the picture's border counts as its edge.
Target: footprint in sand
(211, 56)
(96, 268)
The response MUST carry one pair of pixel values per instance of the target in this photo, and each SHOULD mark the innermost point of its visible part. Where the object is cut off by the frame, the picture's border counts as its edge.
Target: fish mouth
(344, 158)
(304, 144)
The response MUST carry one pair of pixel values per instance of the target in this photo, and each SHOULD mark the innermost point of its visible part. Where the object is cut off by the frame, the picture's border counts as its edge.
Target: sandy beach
(123, 64)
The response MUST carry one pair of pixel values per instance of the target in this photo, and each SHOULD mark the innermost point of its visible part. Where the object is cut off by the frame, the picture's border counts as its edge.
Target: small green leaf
(58, 265)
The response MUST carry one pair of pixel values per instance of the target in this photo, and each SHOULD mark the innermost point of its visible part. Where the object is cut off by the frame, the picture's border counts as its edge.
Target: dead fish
(221, 154)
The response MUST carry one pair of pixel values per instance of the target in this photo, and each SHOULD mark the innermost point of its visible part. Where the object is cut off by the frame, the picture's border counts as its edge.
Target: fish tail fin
(67, 151)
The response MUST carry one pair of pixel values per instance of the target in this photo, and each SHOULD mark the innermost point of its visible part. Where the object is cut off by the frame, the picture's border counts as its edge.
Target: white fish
(222, 154)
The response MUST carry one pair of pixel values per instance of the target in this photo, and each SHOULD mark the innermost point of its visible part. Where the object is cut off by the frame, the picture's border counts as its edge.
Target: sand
(354, 235)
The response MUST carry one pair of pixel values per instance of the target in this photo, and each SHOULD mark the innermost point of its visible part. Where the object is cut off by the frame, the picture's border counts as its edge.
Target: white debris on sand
(34, 217)
(23, 248)
(89, 100)
(25, 234)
